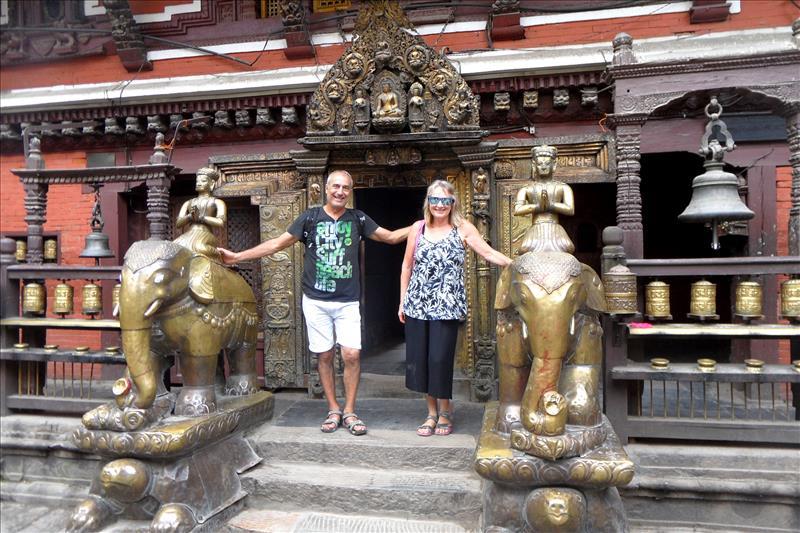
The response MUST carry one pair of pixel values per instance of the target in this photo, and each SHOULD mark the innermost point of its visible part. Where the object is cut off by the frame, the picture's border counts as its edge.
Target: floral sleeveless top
(436, 289)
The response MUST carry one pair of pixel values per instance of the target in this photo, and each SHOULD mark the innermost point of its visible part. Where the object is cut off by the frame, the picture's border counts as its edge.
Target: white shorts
(325, 318)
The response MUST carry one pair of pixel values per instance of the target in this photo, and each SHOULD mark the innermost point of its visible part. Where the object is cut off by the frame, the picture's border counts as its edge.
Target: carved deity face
(386, 87)
(557, 509)
(416, 57)
(353, 66)
(334, 91)
(439, 82)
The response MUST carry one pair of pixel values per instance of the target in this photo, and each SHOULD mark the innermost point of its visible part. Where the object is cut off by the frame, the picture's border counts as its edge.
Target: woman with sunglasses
(433, 301)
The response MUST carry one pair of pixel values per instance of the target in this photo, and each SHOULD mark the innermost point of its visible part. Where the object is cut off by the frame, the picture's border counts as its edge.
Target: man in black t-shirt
(331, 287)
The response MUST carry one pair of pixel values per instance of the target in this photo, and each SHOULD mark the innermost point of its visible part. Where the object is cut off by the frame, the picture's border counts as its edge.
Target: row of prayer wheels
(50, 250)
(34, 299)
(621, 298)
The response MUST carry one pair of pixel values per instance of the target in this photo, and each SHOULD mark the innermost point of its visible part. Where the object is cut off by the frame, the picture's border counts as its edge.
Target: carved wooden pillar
(628, 130)
(36, 209)
(793, 137)
(312, 166)
(158, 208)
(479, 162)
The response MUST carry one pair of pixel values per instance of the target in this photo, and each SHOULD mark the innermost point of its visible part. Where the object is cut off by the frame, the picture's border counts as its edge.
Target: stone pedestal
(528, 493)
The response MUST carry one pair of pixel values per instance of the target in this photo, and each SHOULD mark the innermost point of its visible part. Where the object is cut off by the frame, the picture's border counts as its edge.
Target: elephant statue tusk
(153, 307)
(115, 311)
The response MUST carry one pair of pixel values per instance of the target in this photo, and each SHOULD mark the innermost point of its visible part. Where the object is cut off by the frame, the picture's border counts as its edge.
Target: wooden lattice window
(331, 5)
(268, 8)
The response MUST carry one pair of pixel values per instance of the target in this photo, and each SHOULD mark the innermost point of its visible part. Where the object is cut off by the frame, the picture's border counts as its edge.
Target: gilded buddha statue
(545, 199)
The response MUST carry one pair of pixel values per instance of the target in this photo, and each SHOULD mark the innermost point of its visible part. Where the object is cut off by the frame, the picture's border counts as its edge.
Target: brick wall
(784, 202)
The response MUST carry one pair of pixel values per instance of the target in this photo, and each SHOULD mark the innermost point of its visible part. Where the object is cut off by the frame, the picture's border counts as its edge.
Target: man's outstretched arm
(390, 237)
(265, 248)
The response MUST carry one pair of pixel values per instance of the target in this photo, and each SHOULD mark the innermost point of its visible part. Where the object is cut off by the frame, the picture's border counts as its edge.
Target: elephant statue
(176, 302)
(549, 342)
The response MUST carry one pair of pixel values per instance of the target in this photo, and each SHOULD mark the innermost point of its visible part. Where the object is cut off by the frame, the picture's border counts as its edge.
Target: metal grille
(243, 233)
(269, 8)
(330, 5)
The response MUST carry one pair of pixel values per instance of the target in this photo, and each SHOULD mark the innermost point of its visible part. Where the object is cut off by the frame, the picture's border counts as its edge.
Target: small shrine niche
(390, 81)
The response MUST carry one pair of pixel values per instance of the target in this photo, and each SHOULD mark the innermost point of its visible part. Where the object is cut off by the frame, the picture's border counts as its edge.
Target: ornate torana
(390, 81)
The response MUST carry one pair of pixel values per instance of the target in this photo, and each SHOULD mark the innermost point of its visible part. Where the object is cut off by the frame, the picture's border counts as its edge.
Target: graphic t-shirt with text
(331, 266)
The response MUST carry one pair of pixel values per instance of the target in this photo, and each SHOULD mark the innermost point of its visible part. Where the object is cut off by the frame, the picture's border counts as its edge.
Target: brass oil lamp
(748, 300)
(657, 301)
(34, 299)
(63, 299)
(715, 193)
(703, 302)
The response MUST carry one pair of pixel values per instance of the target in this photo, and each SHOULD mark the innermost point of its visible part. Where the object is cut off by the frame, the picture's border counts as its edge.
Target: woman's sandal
(425, 430)
(447, 428)
(354, 424)
(332, 423)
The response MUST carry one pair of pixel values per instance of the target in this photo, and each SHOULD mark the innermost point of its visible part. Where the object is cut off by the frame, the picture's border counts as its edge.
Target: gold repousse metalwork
(657, 301)
(621, 295)
(748, 299)
(34, 299)
(790, 299)
(50, 250)
(22, 250)
(703, 302)
(92, 299)
(63, 299)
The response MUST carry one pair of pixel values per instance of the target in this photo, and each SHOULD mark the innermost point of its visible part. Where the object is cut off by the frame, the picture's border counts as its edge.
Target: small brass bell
(703, 302)
(790, 299)
(715, 193)
(748, 300)
(620, 289)
(63, 299)
(50, 250)
(97, 241)
(34, 299)
(92, 299)
(22, 250)
(657, 301)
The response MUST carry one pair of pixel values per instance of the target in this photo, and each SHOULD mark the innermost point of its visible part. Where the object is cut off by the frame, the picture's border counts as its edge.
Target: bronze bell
(92, 299)
(715, 193)
(703, 302)
(657, 301)
(748, 300)
(97, 245)
(63, 299)
(50, 250)
(22, 250)
(790, 299)
(34, 299)
(620, 289)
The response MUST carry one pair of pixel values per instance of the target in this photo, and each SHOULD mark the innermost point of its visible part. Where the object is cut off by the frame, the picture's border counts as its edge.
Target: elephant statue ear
(502, 299)
(201, 285)
(596, 298)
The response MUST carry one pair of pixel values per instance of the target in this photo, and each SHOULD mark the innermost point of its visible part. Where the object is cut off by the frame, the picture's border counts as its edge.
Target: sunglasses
(440, 200)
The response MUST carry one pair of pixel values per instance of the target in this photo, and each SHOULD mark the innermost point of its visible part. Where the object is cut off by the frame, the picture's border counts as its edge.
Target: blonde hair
(456, 218)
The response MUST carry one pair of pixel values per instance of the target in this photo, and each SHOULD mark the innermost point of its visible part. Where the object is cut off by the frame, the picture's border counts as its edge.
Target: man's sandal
(354, 424)
(332, 423)
(425, 430)
(447, 428)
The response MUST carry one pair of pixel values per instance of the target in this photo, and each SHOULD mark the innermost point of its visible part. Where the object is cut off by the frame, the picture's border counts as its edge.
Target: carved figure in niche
(202, 213)
(353, 66)
(502, 101)
(544, 199)
(314, 195)
(416, 58)
(360, 112)
(461, 109)
(345, 118)
(334, 91)
(393, 158)
(383, 54)
(387, 101)
(432, 114)
(416, 108)
(440, 82)
(414, 156)
(480, 182)
(369, 158)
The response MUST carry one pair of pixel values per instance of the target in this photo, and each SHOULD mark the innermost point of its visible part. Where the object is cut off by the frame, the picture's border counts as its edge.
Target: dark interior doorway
(383, 339)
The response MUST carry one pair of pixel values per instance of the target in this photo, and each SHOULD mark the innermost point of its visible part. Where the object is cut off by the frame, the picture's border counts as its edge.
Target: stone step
(379, 448)
(48, 493)
(259, 521)
(397, 493)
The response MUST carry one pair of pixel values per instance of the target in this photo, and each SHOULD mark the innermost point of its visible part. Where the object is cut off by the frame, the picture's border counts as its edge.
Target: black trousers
(430, 353)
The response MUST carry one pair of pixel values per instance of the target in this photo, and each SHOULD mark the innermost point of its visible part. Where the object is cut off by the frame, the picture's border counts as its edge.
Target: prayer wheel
(22, 251)
(790, 299)
(50, 250)
(63, 302)
(703, 302)
(92, 299)
(748, 300)
(620, 288)
(657, 301)
(34, 299)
